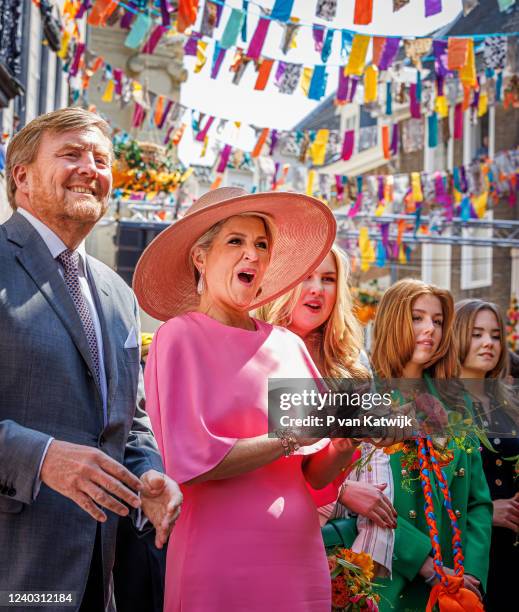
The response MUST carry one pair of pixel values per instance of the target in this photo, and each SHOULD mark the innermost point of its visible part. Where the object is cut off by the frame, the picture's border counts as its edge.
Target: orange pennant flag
(378, 47)
(466, 97)
(217, 182)
(187, 12)
(159, 109)
(457, 53)
(385, 142)
(261, 141)
(100, 12)
(263, 74)
(363, 12)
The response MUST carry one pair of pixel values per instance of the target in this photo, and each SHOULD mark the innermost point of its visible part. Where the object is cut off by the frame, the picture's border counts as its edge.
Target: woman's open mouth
(247, 278)
(313, 306)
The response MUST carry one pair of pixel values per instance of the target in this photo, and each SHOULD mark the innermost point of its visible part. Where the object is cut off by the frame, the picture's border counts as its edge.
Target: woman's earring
(259, 292)
(201, 284)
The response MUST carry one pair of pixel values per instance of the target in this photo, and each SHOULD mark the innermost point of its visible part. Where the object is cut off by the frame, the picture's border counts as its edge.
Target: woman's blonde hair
(393, 334)
(466, 313)
(340, 336)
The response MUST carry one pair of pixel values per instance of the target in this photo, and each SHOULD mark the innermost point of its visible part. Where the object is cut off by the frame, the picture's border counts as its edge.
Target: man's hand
(469, 582)
(90, 478)
(506, 513)
(161, 501)
(368, 500)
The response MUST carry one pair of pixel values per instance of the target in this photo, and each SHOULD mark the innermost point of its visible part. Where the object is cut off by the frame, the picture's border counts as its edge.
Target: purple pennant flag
(85, 5)
(190, 48)
(154, 39)
(224, 158)
(165, 9)
(384, 233)
(440, 55)
(415, 104)
(463, 180)
(433, 7)
(258, 38)
(347, 145)
(218, 56)
(318, 34)
(118, 78)
(127, 18)
(279, 73)
(77, 58)
(380, 181)
(275, 176)
(388, 53)
(356, 207)
(165, 114)
(273, 140)
(354, 81)
(342, 87)
(394, 139)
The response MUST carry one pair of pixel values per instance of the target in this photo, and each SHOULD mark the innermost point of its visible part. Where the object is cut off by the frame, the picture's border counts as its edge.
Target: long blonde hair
(393, 335)
(340, 337)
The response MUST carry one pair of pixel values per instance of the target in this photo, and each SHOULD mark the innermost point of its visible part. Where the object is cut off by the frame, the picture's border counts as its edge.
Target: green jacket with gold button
(407, 591)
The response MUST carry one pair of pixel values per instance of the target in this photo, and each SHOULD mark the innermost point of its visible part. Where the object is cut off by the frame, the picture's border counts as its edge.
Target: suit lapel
(43, 269)
(102, 293)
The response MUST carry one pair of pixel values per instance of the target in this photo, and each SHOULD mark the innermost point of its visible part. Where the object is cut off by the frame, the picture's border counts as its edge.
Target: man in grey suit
(75, 442)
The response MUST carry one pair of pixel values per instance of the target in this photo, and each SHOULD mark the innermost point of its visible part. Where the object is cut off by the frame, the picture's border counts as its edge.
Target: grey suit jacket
(47, 389)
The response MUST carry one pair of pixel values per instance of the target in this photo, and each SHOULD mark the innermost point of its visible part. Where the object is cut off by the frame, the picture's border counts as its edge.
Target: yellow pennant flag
(357, 57)
(457, 196)
(468, 72)
(201, 57)
(370, 84)
(108, 95)
(204, 148)
(480, 204)
(401, 255)
(441, 107)
(305, 79)
(416, 186)
(318, 147)
(310, 182)
(62, 53)
(186, 174)
(380, 210)
(483, 104)
(367, 251)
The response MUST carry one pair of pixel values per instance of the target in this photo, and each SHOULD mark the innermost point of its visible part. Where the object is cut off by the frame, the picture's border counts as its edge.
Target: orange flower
(395, 448)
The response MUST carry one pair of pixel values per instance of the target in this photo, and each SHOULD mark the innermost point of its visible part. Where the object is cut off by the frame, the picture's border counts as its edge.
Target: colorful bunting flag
(433, 7)
(282, 10)
(363, 14)
(318, 147)
(232, 29)
(348, 144)
(265, 67)
(326, 9)
(258, 38)
(357, 58)
(318, 83)
(370, 84)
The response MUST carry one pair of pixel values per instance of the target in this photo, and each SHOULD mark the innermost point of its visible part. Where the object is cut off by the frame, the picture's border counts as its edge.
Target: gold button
(499, 482)
(457, 513)
(499, 462)
(412, 514)
(461, 472)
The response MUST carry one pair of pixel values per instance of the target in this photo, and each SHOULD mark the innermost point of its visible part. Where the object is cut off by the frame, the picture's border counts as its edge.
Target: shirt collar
(51, 239)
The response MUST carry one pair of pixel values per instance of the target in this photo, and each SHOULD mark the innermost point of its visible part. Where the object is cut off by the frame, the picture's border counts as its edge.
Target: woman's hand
(344, 445)
(369, 500)
(469, 582)
(506, 513)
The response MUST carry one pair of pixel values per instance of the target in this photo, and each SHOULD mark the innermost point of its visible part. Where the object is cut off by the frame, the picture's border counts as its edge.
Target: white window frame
(485, 254)
(437, 274)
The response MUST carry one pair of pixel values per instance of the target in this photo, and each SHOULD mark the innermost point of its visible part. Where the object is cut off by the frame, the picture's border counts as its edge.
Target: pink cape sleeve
(330, 493)
(179, 406)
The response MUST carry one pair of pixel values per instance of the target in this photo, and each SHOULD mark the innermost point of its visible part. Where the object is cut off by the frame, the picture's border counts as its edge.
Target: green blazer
(407, 591)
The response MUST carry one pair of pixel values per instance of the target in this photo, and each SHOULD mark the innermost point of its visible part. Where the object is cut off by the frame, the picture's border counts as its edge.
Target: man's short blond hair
(24, 146)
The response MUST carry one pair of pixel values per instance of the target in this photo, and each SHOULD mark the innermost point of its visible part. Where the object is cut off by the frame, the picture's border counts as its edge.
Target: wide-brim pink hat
(164, 281)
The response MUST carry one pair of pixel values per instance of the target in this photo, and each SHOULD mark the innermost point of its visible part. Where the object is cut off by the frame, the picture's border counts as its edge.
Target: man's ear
(21, 178)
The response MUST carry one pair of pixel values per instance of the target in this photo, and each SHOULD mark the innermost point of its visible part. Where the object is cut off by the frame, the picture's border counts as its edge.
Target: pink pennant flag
(416, 111)
(138, 115)
(458, 121)
(154, 39)
(118, 78)
(347, 145)
(224, 158)
(200, 137)
(356, 207)
(339, 187)
(77, 58)
(258, 38)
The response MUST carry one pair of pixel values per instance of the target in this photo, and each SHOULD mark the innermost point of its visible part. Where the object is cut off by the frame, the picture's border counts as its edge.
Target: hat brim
(305, 230)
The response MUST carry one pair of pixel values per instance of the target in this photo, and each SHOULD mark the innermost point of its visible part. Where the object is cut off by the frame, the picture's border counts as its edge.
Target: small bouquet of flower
(352, 575)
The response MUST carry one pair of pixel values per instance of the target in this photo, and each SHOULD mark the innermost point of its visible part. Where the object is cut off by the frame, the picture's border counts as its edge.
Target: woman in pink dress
(248, 537)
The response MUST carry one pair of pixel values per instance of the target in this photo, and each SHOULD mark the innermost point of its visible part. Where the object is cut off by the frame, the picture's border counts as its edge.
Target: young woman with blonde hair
(320, 311)
(479, 333)
(413, 338)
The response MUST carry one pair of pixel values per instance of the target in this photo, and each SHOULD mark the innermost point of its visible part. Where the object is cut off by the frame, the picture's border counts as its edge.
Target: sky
(221, 98)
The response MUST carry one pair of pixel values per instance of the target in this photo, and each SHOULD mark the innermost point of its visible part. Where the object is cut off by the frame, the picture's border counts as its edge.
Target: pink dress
(251, 542)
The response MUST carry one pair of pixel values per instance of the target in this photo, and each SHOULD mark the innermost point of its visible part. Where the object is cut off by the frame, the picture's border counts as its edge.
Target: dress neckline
(260, 325)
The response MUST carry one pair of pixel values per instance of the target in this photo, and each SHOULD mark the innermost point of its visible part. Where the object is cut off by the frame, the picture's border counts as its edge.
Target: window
(476, 261)
(436, 264)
